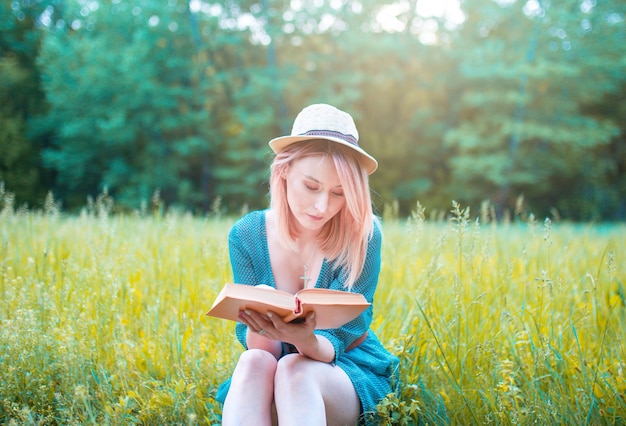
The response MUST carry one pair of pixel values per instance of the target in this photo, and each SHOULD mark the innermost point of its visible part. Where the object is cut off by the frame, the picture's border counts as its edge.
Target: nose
(321, 202)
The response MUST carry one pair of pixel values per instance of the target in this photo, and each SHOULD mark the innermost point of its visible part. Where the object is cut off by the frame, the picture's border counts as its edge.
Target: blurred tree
(182, 96)
(126, 105)
(146, 96)
(21, 99)
(247, 100)
(528, 71)
(598, 190)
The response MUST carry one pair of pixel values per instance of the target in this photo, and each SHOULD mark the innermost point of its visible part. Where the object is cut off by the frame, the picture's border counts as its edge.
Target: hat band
(348, 138)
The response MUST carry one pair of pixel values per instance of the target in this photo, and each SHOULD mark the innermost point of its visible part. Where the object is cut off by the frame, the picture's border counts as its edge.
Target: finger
(310, 320)
(276, 320)
(256, 316)
(259, 323)
(248, 319)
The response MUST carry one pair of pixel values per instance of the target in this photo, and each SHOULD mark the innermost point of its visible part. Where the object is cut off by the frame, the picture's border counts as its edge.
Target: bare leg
(309, 392)
(250, 397)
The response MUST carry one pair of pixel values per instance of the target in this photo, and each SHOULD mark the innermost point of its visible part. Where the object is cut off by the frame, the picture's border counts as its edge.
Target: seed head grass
(102, 319)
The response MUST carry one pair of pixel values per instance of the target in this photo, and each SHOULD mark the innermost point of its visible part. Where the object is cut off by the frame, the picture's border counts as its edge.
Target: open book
(333, 308)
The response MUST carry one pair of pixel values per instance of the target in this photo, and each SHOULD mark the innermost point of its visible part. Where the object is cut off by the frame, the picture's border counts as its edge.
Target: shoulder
(376, 237)
(251, 222)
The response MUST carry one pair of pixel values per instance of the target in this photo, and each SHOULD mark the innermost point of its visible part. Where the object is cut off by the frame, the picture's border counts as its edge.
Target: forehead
(320, 167)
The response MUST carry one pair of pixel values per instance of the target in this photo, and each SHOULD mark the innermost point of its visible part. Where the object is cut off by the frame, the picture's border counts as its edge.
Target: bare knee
(316, 388)
(254, 363)
(292, 371)
(249, 399)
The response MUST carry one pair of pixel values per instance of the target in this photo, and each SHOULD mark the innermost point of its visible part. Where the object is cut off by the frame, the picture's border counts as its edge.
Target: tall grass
(102, 319)
(505, 324)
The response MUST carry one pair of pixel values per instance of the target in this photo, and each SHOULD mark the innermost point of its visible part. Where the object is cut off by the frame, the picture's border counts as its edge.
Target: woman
(318, 232)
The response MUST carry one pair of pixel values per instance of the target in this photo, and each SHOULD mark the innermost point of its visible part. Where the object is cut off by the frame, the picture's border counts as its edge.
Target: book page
(331, 297)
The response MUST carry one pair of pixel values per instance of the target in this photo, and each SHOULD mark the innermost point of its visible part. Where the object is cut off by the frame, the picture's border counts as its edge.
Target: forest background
(476, 101)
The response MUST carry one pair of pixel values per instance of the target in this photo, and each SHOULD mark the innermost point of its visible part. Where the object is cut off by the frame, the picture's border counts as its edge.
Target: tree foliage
(516, 97)
(21, 99)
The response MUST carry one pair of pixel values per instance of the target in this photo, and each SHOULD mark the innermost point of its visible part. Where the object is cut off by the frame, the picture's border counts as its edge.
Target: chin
(310, 224)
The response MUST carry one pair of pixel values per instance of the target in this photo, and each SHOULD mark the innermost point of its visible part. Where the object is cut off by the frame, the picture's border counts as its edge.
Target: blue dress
(369, 365)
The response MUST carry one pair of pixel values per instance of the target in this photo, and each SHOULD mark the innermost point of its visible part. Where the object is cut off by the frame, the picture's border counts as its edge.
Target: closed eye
(311, 187)
(313, 184)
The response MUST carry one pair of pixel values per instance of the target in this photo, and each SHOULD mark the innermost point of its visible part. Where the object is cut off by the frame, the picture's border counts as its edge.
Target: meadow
(519, 322)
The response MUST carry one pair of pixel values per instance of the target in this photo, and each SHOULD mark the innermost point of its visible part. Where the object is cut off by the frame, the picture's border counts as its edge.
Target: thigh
(251, 393)
(341, 401)
(340, 398)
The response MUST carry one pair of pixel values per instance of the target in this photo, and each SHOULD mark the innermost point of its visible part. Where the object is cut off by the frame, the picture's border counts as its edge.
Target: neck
(306, 236)
(305, 249)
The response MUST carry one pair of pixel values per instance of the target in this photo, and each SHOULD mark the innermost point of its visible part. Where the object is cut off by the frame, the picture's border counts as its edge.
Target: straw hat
(322, 121)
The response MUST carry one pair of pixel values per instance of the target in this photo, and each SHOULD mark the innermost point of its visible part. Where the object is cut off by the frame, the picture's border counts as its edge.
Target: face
(314, 192)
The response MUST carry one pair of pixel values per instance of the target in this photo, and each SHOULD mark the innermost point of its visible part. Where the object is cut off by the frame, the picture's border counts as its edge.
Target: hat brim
(367, 161)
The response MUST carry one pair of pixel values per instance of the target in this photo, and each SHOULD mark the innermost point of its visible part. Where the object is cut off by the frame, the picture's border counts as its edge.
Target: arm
(256, 341)
(241, 251)
(303, 337)
(342, 337)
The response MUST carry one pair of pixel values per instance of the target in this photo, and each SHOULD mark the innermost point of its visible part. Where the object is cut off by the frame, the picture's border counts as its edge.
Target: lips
(315, 218)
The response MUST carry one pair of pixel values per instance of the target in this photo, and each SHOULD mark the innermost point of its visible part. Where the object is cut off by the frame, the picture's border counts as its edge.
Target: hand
(272, 327)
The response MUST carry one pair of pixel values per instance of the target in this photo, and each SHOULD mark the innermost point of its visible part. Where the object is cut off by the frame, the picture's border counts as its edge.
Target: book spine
(298, 308)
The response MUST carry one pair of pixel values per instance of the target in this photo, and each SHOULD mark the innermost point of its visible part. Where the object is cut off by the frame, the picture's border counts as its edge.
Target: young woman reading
(319, 231)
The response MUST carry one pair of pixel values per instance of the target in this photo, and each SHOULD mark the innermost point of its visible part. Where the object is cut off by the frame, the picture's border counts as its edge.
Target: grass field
(102, 319)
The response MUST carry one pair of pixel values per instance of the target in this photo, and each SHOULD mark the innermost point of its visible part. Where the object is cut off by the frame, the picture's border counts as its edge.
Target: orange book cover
(332, 308)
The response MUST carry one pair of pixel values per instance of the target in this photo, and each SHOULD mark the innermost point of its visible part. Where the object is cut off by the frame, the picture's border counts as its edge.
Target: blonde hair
(345, 237)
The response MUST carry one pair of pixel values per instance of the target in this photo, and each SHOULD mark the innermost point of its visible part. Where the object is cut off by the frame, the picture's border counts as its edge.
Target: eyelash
(310, 188)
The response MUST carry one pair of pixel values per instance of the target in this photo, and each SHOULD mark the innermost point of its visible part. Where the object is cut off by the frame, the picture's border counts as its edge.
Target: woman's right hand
(257, 336)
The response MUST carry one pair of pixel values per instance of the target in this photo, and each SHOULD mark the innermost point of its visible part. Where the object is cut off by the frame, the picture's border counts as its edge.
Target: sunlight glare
(195, 6)
(424, 20)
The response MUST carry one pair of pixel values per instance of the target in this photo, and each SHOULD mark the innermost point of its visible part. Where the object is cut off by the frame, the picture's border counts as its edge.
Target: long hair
(345, 237)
